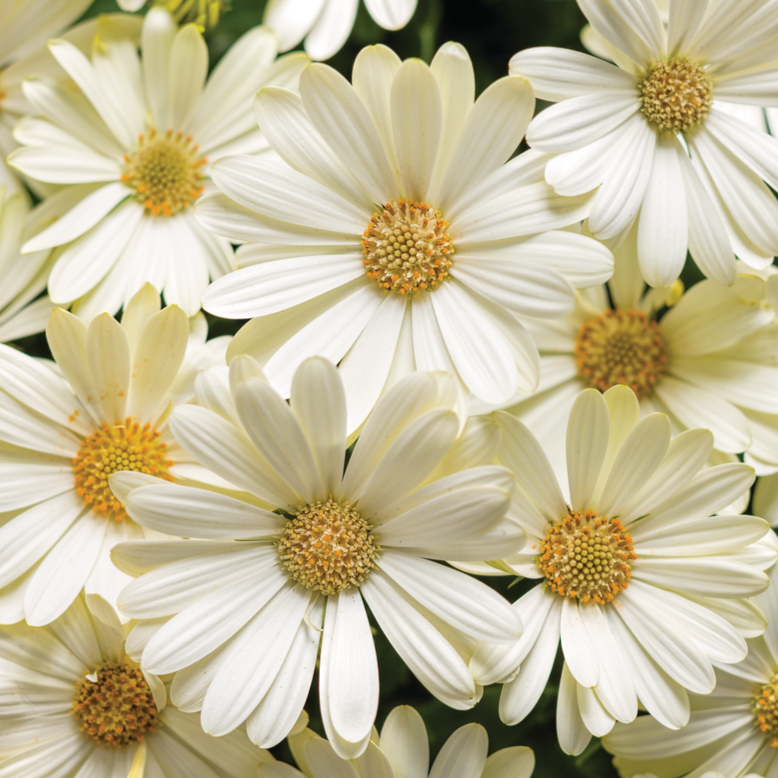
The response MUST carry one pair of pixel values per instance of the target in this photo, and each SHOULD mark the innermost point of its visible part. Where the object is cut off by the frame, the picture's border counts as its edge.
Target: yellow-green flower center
(621, 347)
(407, 249)
(586, 556)
(328, 547)
(676, 95)
(114, 706)
(165, 172)
(765, 708)
(203, 13)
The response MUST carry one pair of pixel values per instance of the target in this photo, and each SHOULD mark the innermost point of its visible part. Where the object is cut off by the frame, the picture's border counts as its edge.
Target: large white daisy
(733, 729)
(326, 24)
(706, 358)
(402, 751)
(65, 427)
(238, 611)
(647, 134)
(643, 587)
(132, 148)
(432, 278)
(73, 703)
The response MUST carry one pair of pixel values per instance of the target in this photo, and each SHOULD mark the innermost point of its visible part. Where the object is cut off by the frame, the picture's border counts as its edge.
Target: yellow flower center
(111, 448)
(586, 556)
(765, 709)
(202, 13)
(621, 347)
(407, 248)
(165, 172)
(676, 95)
(328, 547)
(114, 706)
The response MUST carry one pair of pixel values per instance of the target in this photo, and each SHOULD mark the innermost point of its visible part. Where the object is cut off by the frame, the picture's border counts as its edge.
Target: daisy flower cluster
(355, 416)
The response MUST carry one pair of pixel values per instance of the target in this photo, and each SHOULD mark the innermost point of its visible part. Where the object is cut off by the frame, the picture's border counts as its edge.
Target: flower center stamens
(165, 172)
(765, 708)
(586, 556)
(621, 347)
(114, 705)
(328, 547)
(111, 448)
(676, 95)
(407, 248)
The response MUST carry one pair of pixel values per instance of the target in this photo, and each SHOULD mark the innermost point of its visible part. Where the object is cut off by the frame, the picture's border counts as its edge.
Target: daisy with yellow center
(140, 134)
(297, 582)
(650, 138)
(398, 233)
(643, 575)
(89, 709)
(68, 426)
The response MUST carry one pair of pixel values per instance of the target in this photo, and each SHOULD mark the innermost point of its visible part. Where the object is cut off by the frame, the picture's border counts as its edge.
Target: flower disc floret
(111, 448)
(114, 705)
(587, 556)
(407, 249)
(328, 547)
(621, 347)
(165, 172)
(765, 708)
(676, 95)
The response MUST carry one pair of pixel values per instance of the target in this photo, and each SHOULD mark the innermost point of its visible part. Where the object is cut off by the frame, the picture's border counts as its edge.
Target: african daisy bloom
(640, 583)
(647, 136)
(733, 729)
(73, 703)
(132, 147)
(428, 279)
(66, 427)
(403, 750)
(237, 611)
(326, 24)
(706, 358)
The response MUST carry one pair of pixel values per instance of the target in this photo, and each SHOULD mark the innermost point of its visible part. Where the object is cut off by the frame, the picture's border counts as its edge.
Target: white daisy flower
(706, 358)
(238, 612)
(73, 703)
(402, 750)
(24, 29)
(733, 729)
(65, 428)
(432, 278)
(642, 586)
(131, 148)
(648, 137)
(326, 24)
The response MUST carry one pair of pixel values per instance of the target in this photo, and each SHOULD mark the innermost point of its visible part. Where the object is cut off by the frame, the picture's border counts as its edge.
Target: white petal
(577, 645)
(587, 442)
(463, 754)
(571, 730)
(391, 15)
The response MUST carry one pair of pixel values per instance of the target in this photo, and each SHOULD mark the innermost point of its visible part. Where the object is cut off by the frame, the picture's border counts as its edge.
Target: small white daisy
(238, 612)
(643, 587)
(66, 427)
(399, 235)
(648, 136)
(73, 703)
(132, 147)
(402, 751)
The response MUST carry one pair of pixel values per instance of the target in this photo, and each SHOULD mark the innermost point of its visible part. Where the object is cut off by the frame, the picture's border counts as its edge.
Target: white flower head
(74, 703)
(66, 427)
(239, 609)
(131, 148)
(735, 727)
(648, 136)
(399, 236)
(641, 581)
(402, 749)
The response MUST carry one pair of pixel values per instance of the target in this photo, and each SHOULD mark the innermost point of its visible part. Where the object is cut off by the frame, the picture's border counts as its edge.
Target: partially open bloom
(132, 147)
(66, 427)
(734, 728)
(639, 579)
(238, 611)
(648, 136)
(399, 236)
(73, 703)
(402, 750)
